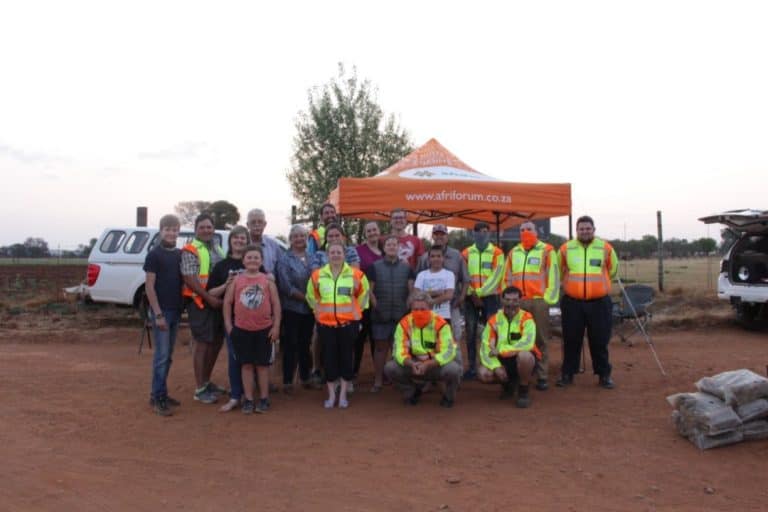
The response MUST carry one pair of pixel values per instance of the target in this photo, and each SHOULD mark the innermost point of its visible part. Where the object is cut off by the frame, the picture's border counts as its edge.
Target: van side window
(112, 241)
(136, 242)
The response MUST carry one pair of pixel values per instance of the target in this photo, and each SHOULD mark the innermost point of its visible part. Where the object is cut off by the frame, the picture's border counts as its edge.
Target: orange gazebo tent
(432, 185)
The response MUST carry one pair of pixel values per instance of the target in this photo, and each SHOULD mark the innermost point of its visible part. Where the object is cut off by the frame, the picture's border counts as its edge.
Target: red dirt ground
(77, 434)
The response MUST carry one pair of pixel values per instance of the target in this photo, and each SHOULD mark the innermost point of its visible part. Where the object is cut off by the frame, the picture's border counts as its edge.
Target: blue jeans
(233, 370)
(163, 352)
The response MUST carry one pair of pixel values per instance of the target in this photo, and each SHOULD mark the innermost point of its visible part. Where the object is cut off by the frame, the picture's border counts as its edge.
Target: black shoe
(565, 380)
(470, 375)
(414, 398)
(446, 402)
(248, 407)
(263, 406)
(161, 407)
(172, 402)
(606, 382)
(542, 385)
(507, 391)
(523, 400)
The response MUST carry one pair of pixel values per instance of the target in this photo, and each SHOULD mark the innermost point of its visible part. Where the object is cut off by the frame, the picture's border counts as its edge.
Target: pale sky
(642, 106)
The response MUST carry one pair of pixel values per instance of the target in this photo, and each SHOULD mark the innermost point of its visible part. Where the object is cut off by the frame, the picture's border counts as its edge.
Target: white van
(115, 266)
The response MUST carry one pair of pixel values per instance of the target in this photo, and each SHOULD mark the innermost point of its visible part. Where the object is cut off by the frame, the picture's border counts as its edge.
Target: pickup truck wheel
(750, 316)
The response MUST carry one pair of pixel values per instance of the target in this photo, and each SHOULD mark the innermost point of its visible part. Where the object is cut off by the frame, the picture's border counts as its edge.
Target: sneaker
(470, 375)
(565, 380)
(248, 407)
(205, 396)
(414, 398)
(523, 400)
(606, 382)
(343, 404)
(328, 404)
(172, 402)
(161, 407)
(542, 385)
(216, 389)
(263, 406)
(230, 405)
(446, 402)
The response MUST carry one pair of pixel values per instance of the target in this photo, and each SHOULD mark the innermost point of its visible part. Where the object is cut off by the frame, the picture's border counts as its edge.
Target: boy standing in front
(163, 288)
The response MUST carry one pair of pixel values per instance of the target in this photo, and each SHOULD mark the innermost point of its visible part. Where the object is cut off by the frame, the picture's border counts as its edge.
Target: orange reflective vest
(318, 238)
(337, 300)
(586, 271)
(200, 250)
(534, 272)
(485, 269)
(509, 336)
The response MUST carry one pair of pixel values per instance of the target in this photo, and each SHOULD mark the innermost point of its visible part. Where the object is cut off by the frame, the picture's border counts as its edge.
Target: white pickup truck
(115, 266)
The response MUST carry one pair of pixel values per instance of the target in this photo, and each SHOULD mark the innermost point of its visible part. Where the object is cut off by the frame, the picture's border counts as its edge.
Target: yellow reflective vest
(586, 272)
(509, 337)
(200, 250)
(485, 268)
(435, 341)
(337, 300)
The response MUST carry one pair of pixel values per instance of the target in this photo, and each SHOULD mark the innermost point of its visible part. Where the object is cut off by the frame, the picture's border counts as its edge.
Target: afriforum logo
(444, 173)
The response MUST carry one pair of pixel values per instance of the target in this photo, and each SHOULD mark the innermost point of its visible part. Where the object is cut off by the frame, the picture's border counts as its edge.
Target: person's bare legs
(262, 373)
(247, 373)
(379, 360)
(331, 387)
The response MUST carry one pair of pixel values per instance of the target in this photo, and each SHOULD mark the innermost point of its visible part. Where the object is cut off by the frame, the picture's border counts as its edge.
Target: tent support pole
(415, 229)
(570, 226)
(498, 231)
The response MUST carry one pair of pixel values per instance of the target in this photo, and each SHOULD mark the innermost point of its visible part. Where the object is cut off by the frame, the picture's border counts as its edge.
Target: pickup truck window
(112, 241)
(136, 242)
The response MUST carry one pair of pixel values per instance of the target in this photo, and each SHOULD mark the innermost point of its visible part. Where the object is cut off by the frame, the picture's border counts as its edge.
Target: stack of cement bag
(729, 408)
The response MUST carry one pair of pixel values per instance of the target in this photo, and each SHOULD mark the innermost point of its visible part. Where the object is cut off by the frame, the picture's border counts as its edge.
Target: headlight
(743, 273)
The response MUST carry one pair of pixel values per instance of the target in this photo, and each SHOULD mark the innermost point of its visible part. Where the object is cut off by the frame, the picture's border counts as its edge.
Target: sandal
(328, 404)
(343, 404)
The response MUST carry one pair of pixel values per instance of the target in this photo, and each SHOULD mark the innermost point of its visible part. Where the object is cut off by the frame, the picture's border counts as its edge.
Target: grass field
(687, 274)
(43, 261)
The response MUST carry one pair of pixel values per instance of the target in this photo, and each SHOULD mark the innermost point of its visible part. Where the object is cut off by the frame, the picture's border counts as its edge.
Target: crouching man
(508, 352)
(424, 351)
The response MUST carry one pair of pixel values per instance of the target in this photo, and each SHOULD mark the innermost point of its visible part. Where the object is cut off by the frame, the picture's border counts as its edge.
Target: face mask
(529, 239)
(482, 238)
(511, 311)
(421, 317)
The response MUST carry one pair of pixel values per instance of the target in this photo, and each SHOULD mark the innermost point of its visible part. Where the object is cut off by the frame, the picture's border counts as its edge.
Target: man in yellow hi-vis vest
(485, 263)
(197, 260)
(531, 266)
(424, 351)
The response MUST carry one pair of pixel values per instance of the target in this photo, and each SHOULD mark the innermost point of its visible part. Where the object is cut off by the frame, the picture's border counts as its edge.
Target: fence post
(661, 251)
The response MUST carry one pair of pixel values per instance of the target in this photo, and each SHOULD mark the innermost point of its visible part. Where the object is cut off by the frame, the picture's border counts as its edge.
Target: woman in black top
(221, 275)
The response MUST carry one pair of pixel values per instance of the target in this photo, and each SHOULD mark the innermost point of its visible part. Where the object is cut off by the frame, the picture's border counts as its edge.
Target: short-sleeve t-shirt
(220, 272)
(429, 281)
(165, 264)
(409, 250)
(253, 302)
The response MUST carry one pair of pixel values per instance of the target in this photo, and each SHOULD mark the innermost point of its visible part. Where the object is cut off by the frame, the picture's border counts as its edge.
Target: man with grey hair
(257, 222)
(532, 267)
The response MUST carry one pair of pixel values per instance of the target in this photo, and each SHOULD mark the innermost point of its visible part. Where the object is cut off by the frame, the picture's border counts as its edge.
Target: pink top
(253, 302)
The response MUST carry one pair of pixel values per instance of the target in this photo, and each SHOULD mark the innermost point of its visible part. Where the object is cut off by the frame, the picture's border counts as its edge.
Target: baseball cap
(439, 228)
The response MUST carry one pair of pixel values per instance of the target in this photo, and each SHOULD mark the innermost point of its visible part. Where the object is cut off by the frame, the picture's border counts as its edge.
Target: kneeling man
(508, 352)
(424, 351)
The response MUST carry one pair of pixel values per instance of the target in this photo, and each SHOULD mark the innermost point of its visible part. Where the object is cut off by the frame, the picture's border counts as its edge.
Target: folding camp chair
(641, 297)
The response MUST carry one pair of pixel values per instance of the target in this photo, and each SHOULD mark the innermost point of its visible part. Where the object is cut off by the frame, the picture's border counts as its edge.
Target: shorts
(383, 331)
(252, 347)
(204, 324)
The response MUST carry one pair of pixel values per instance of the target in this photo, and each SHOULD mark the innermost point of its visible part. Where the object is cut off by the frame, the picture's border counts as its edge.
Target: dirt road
(77, 434)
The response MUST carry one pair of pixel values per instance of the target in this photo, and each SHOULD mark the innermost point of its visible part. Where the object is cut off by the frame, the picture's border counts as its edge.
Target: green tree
(188, 210)
(224, 214)
(36, 248)
(343, 133)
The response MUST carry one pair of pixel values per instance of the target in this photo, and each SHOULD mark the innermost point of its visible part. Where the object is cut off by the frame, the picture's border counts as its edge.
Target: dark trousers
(338, 344)
(594, 316)
(297, 336)
(475, 315)
(362, 336)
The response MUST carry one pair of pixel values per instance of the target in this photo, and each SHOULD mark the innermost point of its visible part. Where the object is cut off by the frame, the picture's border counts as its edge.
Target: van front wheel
(751, 316)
